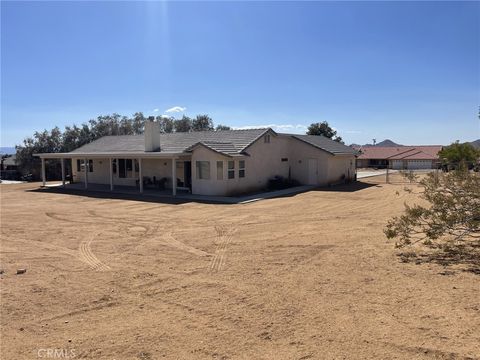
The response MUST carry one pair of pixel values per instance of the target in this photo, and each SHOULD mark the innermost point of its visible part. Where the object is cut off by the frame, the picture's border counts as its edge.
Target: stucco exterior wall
(281, 156)
(264, 163)
(160, 168)
(341, 168)
(328, 169)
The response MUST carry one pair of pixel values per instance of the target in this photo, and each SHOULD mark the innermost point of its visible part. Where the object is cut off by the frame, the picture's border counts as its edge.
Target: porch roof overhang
(113, 155)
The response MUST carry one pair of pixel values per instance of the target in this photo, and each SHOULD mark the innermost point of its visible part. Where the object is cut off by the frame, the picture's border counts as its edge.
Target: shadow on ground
(352, 187)
(122, 196)
(463, 257)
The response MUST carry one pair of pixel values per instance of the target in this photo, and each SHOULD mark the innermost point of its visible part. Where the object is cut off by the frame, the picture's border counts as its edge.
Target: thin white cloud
(176, 109)
(156, 110)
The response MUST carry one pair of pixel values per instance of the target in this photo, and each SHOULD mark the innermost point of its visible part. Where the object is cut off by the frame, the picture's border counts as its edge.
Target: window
(284, 159)
(241, 169)
(203, 170)
(266, 138)
(231, 169)
(219, 170)
(127, 168)
(79, 164)
(90, 165)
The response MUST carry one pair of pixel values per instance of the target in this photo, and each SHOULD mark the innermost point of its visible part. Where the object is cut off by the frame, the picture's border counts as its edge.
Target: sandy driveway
(304, 277)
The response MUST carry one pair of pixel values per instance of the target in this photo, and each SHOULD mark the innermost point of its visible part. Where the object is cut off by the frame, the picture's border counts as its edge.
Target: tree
(222, 127)
(138, 123)
(41, 142)
(166, 124)
(202, 123)
(325, 130)
(459, 154)
(75, 136)
(183, 125)
(453, 213)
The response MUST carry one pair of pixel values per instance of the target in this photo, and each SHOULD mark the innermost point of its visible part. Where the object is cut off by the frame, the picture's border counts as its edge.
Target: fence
(389, 176)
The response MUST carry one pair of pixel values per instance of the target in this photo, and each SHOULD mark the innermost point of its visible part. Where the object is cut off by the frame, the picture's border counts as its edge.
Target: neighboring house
(9, 168)
(9, 163)
(225, 162)
(399, 157)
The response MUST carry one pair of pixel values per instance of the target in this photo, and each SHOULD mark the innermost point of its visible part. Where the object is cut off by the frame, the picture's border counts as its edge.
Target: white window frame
(129, 174)
(241, 169)
(230, 170)
(199, 174)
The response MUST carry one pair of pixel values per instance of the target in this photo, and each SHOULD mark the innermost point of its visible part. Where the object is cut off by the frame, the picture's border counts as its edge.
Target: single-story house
(9, 163)
(222, 163)
(9, 168)
(399, 157)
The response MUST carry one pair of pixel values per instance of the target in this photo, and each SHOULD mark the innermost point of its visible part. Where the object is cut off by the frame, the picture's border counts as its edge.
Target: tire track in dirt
(81, 311)
(224, 237)
(87, 256)
(84, 253)
(170, 240)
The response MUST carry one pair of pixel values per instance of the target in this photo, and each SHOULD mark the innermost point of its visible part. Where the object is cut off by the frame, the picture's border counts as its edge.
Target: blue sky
(408, 71)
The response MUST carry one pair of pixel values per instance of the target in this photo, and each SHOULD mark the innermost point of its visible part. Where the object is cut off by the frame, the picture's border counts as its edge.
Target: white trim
(62, 162)
(44, 178)
(108, 155)
(174, 177)
(140, 176)
(111, 173)
(85, 170)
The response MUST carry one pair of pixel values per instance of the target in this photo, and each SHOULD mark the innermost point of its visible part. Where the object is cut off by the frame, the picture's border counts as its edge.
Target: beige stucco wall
(160, 168)
(330, 169)
(340, 168)
(264, 164)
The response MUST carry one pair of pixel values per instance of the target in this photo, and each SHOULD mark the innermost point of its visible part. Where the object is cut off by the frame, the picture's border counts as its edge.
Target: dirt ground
(310, 276)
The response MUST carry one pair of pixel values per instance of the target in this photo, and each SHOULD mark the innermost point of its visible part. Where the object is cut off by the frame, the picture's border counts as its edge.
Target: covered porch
(146, 172)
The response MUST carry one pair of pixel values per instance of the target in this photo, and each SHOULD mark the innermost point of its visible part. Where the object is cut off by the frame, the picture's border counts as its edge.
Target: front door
(187, 173)
(312, 171)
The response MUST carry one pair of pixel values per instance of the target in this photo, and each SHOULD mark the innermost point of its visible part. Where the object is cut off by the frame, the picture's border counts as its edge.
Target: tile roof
(225, 141)
(324, 143)
(114, 144)
(228, 142)
(424, 152)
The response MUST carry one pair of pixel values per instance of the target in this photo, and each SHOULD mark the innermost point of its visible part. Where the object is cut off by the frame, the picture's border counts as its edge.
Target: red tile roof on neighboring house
(427, 152)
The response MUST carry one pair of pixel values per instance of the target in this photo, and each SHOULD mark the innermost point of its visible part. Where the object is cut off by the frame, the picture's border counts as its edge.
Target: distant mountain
(387, 142)
(476, 143)
(7, 150)
(384, 143)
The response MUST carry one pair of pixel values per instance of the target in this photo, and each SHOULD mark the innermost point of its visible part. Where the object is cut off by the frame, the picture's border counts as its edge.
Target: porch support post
(62, 162)
(111, 174)
(174, 177)
(44, 178)
(140, 175)
(85, 169)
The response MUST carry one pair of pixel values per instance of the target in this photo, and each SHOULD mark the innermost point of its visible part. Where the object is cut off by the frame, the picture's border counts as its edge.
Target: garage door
(419, 164)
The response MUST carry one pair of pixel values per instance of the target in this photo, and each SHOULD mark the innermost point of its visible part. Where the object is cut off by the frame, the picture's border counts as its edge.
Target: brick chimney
(152, 135)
